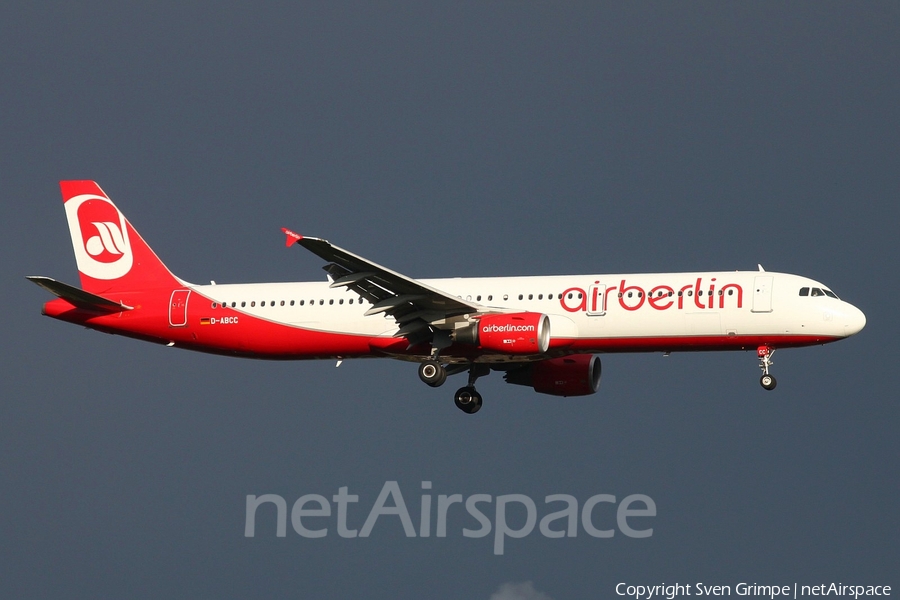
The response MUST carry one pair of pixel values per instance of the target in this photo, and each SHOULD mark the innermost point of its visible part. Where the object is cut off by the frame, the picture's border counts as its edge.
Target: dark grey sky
(456, 140)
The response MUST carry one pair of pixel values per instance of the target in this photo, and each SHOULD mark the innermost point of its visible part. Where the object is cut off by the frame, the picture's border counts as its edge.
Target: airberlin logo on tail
(99, 237)
(109, 243)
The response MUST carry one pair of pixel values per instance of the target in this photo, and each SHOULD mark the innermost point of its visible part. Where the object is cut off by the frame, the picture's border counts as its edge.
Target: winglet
(292, 238)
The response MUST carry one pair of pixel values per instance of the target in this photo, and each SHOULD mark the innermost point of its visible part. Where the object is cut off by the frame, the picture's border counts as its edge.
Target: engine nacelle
(514, 333)
(576, 375)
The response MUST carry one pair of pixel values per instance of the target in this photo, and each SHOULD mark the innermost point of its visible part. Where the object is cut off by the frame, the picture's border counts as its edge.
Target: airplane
(542, 332)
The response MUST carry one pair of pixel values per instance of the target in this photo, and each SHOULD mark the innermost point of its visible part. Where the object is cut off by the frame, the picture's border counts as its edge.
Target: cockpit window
(805, 291)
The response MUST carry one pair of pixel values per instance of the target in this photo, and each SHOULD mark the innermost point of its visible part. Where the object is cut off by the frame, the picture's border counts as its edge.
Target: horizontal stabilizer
(78, 297)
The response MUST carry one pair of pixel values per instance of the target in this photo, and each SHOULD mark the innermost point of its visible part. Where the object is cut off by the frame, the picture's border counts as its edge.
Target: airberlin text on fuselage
(696, 295)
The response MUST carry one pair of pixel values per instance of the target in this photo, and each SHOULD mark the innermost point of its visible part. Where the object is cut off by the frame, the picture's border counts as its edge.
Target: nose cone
(854, 320)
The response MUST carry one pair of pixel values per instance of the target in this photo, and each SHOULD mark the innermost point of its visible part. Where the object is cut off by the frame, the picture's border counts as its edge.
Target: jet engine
(576, 375)
(514, 333)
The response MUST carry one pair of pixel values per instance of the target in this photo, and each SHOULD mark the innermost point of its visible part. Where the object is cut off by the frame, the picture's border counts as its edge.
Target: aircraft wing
(414, 305)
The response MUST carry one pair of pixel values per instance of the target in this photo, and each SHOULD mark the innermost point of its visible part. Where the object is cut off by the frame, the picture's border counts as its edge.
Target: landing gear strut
(467, 398)
(765, 361)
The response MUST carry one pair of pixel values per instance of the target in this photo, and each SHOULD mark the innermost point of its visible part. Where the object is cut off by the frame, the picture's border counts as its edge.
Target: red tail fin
(110, 254)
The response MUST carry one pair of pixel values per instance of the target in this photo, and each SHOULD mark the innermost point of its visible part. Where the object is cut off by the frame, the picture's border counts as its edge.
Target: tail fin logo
(109, 243)
(99, 236)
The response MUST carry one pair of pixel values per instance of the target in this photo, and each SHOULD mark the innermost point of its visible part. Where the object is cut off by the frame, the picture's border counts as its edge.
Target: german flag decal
(204, 321)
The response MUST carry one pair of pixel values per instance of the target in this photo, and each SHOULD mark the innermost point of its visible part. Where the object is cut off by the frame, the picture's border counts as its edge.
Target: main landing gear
(433, 373)
(765, 361)
(467, 398)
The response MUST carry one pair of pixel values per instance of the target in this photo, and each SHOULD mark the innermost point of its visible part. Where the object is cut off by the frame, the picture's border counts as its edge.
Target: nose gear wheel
(765, 361)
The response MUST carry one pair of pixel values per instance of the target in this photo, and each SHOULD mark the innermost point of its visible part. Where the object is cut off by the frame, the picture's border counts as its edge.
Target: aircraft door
(762, 294)
(596, 300)
(178, 305)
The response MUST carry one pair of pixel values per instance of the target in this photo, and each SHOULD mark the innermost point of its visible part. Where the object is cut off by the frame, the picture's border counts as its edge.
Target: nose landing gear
(765, 361)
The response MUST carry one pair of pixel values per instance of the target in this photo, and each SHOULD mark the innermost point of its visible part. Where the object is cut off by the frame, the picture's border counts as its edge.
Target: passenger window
(253, 303)
(243, 304)
(491, 297)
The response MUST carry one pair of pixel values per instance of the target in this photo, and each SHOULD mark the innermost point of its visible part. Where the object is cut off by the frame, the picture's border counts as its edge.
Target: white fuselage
(595, 313)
